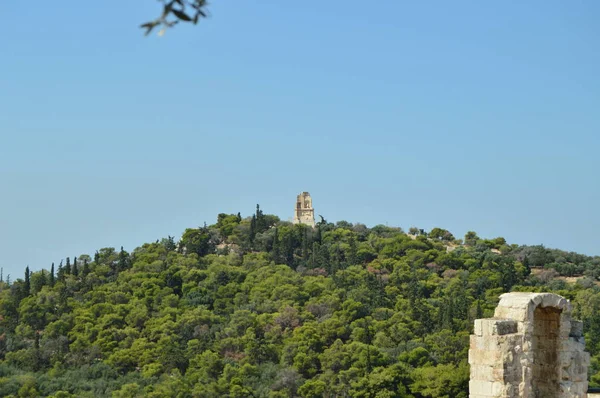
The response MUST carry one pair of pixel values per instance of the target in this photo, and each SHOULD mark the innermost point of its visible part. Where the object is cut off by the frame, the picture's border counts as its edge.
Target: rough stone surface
(304, 212)
(531, 348)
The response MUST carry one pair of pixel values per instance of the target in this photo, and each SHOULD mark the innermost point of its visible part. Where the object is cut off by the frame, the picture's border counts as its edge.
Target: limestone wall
(531, 348)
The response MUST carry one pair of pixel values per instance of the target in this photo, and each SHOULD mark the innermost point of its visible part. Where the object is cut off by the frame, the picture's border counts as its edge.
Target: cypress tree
(43, 279)
(86, 267)
(60, 273)
(313, 255)
(260, 220)
(123, 263)
(527, 265)
(252, 228)
(96, 257)
(74, 269)
(170, 244)
(318, 235)
(304, 246)
(479, 310)
(8, 280)
(68, 266)
(275, 249)
(1, 274)
(27, 281)
(352, 251)
(51, 277)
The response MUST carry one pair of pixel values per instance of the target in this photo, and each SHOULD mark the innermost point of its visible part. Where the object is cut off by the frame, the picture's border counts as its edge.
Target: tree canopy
(258, 307)
(176, 11)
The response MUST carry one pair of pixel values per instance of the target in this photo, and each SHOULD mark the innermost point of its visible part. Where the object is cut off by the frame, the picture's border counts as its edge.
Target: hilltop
(259, 307)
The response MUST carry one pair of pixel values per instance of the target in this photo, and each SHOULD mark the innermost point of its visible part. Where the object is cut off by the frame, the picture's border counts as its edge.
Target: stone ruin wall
(530, 348)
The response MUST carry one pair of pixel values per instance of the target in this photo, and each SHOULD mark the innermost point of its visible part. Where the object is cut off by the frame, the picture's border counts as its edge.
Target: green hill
(257, 307)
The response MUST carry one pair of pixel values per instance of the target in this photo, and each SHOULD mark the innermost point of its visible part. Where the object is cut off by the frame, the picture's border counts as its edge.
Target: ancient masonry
(304, 212)
(531, 348)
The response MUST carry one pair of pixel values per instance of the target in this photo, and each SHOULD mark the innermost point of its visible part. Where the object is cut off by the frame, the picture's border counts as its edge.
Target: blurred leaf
(181, 15)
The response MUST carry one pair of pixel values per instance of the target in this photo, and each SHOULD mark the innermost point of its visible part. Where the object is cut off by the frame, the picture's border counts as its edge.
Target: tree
(275, 248)
(253, 228)
(60, 273)
(51, 276)
(67, 268)
(359, 312)
(442, 381)
(175, 11)
(74, 269)
(27, 281)
(414, 231)
(471, 238)
(226, 224)
(441, 234)
(123, 262)
(197, 240)
(38, 280)
(86, 268)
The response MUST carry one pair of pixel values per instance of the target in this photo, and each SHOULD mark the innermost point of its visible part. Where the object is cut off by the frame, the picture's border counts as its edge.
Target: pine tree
(27, 281)
(51, 277)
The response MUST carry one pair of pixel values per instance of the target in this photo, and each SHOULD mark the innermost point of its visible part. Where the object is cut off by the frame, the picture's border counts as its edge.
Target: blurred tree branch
(175, 11)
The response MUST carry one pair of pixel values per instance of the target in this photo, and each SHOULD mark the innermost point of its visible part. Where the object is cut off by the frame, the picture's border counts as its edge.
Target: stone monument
(304, 212)
(531, 348)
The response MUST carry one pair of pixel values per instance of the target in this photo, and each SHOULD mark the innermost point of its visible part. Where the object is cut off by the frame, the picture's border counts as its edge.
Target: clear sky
(467, 115)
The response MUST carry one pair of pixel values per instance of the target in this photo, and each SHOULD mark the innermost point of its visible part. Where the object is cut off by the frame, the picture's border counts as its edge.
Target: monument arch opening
(545, 345)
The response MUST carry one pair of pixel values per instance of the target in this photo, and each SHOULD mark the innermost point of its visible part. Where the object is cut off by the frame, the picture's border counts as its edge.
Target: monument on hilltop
(304, 212)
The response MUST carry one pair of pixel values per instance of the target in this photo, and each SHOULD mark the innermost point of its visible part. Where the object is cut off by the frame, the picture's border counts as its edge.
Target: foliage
(175, 11)
(258, 307)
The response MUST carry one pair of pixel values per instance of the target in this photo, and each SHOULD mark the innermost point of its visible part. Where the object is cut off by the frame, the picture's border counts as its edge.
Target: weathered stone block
(492, 326)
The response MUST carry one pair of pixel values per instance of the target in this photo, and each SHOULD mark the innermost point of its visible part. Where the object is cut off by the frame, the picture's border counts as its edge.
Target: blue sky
(467, 115)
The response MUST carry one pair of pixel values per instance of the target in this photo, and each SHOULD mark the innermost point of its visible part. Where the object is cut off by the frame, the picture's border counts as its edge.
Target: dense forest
(258, 307)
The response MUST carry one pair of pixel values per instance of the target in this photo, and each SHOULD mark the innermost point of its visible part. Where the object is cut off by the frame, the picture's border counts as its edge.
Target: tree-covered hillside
(258, 307)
